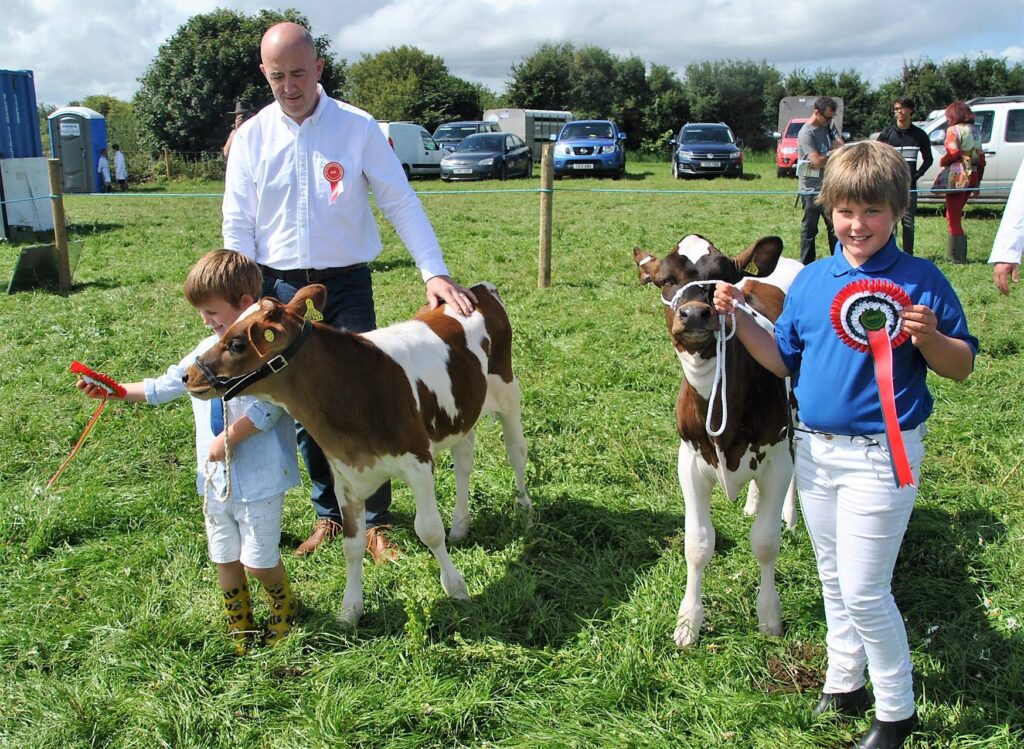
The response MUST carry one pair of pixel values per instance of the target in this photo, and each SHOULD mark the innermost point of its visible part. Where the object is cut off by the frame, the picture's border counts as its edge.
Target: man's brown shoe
(324, 530)
(380, 548)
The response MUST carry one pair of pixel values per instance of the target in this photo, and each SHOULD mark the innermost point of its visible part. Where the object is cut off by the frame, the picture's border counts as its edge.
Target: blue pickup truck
(590, 147)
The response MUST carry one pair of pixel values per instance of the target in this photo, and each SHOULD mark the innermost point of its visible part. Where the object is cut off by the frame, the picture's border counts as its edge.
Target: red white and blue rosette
(866, 317)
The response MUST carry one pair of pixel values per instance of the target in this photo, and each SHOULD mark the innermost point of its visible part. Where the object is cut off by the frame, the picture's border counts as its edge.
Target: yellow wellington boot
(238, 610)
(284, 610)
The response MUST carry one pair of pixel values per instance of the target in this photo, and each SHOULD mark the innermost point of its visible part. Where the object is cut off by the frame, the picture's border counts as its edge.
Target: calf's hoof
(455, 586)
(688, 626)
(349, 616)
(459, 531)
(524, 501)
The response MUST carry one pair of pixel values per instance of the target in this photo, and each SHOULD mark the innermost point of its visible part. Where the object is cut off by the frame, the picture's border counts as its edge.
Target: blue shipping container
(19, 120)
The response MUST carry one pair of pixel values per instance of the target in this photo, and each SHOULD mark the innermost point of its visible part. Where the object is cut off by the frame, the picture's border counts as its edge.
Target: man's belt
(303, 276)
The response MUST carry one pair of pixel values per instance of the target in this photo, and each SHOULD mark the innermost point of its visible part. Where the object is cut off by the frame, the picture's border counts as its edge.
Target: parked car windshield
(587, 130)
(794, 129)
(706, 135)
(482, 142)
(454, 131)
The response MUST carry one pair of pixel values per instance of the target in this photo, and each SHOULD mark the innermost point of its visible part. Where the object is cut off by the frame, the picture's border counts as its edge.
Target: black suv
(706, 149)
(450, 134)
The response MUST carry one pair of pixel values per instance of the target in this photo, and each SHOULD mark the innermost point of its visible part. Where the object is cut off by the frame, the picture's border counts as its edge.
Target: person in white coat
(120, 168)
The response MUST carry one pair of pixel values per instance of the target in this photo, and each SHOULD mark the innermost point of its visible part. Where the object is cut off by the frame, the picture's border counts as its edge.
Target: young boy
(855, 512)
(243, 469)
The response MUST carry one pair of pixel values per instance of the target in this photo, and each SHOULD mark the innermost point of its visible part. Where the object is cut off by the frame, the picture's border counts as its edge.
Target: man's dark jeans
(809, 230)
(350, 306)
(907, 222)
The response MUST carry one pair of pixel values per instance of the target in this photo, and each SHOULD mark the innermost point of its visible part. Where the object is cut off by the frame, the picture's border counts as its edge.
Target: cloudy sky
(80, 48)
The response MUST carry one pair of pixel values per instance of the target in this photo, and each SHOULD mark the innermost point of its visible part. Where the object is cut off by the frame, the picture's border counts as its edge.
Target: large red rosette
(865, 316)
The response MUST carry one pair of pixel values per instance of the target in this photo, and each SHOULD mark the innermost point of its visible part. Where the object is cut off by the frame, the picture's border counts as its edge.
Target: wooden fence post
(60, 231)
(546, 195)
(167, 163)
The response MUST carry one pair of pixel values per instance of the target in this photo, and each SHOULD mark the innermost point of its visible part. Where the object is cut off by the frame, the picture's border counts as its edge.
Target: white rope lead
(718, 385)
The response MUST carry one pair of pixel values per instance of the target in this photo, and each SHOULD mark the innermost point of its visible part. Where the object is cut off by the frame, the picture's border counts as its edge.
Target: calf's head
(257, 345)
(689, 312)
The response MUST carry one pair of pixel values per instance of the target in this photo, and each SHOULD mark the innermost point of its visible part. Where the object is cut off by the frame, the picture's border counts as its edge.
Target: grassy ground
(111, 609)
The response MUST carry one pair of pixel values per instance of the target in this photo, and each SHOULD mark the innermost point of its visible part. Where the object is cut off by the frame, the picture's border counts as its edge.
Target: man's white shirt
(284, 208)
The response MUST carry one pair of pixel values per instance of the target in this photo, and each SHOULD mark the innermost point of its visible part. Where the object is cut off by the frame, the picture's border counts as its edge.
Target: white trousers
(856, 518)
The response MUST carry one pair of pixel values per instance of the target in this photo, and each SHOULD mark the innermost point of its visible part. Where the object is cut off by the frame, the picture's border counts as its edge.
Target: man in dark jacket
(912, 142)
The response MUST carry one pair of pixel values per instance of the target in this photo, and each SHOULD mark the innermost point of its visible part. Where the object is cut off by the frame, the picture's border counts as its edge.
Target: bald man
(296, 200)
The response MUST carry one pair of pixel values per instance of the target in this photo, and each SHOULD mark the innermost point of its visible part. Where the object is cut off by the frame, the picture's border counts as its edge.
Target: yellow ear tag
(268, 335)
(312, 313)
(751, 269)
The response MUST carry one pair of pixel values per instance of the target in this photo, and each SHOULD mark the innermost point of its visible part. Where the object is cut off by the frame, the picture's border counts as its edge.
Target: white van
(416, 149)
(1000, 120)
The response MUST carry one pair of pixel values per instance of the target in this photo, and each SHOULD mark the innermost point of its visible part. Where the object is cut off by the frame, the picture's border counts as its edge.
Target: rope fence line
(545, 190)
(528, 190)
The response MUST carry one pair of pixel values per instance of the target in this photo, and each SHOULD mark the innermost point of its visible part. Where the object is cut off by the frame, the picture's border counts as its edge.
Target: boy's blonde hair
(223, 274)
(866, 172)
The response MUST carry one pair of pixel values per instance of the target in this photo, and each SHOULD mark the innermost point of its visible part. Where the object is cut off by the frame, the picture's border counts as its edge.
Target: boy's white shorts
(249, 532)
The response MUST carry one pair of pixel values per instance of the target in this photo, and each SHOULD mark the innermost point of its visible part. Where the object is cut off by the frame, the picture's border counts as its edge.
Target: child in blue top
(855, 512)
(245, 452)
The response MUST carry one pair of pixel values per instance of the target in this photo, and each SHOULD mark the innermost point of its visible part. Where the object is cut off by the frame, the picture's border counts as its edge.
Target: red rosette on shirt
(333, 173)
(866, 317)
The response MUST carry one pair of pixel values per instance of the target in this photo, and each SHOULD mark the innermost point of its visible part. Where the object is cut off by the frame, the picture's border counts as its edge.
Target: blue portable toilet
(77, 134)
(19, 120)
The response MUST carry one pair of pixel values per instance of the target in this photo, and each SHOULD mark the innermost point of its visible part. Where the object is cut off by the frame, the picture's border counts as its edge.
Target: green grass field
(111, 617)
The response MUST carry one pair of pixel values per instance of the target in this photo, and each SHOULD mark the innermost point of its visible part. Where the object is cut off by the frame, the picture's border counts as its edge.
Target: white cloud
(77, 49)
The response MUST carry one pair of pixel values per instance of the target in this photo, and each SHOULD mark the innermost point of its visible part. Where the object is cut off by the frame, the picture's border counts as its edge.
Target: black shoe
(885, 734)
(854, 703)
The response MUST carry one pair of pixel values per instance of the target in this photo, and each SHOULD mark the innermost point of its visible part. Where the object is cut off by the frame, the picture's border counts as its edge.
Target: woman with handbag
(963, 165)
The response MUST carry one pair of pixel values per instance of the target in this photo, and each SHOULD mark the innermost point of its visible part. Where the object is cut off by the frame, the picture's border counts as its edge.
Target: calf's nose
(694, 315)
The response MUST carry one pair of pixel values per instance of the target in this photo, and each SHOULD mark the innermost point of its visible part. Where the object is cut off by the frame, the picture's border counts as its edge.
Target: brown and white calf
(380, 404)
(755, 445)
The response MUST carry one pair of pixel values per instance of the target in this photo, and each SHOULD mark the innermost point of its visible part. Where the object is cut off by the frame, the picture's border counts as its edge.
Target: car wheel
(407, 170)
(503, 171)
(529, 169)
(675, 170)
(780, 171)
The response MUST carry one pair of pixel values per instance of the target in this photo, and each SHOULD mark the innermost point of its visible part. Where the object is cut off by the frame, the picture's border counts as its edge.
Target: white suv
(1000, 120)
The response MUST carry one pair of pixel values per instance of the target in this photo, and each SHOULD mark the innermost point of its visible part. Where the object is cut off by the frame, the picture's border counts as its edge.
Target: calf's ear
(647, 266)
(760, 259)
(266, 332)
(309, 302)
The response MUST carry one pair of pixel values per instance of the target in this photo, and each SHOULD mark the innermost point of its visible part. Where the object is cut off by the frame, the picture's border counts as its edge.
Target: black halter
(235, 385)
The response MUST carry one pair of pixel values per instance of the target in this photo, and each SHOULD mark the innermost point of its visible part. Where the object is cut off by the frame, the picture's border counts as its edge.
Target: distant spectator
(103, 169)
(241, 114)
(1006, 250)
(120, 168)
(815, 140)
(911, 141)
(964, 164)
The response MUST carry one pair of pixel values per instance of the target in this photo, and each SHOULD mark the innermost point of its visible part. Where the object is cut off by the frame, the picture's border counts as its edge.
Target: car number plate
(582, 166)
(710, 164)
(462, 171)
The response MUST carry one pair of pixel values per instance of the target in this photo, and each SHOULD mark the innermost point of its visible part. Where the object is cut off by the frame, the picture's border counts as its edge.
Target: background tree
(667, 108)
(405, 83)
(592, 88)
(734, 92)
(544, 79)
(211, 61)
(122, 123)
(44, 111)
(631, 100)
